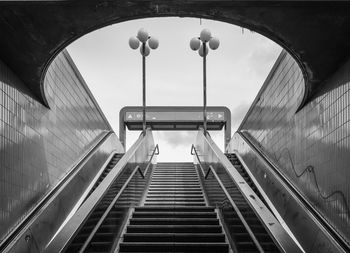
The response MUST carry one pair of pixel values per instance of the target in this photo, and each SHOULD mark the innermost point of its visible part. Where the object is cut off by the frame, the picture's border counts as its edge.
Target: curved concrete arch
(33, 32)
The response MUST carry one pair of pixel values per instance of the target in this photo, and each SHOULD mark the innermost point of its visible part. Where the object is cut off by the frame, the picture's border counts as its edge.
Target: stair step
(173, 247)
(172, 237)
(175, 209)
(173, 198)
(174, 214)
(174, 229)
(174, 221)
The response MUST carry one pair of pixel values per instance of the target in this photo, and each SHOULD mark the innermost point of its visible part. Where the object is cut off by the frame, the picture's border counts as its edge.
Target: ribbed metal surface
(243, 172)
(235, 228)
(103, 239)
(105, 172)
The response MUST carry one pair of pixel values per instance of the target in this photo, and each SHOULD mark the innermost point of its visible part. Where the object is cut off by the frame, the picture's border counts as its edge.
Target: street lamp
(200, 44)
(145, 49)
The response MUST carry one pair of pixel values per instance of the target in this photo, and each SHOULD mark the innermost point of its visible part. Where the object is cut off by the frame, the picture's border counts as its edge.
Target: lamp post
(200, 44)
(145, 49)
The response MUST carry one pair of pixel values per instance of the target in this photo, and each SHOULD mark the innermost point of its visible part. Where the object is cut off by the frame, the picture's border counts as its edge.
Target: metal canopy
(174, 118)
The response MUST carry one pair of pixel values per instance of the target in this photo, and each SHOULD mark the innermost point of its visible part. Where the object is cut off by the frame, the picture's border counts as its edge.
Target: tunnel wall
(40, 145)
(310, 147)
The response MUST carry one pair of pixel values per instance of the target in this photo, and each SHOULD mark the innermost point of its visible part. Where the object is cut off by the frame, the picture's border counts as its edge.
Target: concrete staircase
(175, 216)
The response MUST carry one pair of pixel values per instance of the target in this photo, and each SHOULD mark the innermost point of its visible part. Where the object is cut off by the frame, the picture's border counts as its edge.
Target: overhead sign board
(175, 118)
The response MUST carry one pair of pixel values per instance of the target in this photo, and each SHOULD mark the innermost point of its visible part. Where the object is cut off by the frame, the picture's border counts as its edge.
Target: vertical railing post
(204, 88)
(143, 89)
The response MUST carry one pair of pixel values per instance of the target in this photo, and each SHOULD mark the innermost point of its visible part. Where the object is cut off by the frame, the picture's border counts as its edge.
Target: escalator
(103, 225)
(141, 206)
(114, 160)
(249, 237)
(243, 172)
(181, 210)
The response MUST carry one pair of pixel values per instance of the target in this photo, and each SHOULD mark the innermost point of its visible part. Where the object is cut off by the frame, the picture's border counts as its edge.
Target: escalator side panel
(52, 214)
(235, 227)
(309, 232)
(102, 198)
(110, 228)
(211, 155)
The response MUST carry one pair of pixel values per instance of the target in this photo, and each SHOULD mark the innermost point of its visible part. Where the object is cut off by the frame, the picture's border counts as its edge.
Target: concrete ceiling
(32, 33)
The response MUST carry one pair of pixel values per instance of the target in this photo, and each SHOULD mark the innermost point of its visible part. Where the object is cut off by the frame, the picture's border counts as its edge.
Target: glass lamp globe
(200, 51)
(153, 43)
(142, 35)
(146, 52)
(205, 35)
(195, 44)
(134, 42)
(214, 43)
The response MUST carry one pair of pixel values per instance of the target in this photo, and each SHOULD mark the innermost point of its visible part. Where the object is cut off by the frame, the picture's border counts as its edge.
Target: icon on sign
(220, 116)
(130, 116)
(138, 116)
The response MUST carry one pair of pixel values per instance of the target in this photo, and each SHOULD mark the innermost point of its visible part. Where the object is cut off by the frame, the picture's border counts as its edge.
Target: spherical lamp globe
(153, 43)
(214, 43)
(195, 44)
(146, 52)
(205, 35)
(134, 42)
(142, 35)
(201, 49)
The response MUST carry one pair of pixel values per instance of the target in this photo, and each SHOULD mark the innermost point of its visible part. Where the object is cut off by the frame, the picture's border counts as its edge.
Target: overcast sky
(235, 72)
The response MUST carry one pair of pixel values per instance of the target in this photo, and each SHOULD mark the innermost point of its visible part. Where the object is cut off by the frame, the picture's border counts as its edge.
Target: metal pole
(204, 88)
(143, 89)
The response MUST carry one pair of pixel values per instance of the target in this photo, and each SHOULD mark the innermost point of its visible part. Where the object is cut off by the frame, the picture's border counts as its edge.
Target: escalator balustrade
(237, 232)
(115, 159)
(106, 234)
(240, 168)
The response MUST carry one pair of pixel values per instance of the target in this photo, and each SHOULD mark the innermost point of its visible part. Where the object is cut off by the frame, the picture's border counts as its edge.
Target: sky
(113, 72)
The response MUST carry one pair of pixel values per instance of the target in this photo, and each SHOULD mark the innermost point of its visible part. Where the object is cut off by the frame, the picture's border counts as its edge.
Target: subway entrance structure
(281, 182)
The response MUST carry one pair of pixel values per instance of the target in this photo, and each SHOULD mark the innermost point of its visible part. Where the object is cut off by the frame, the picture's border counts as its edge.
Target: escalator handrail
(282, 238)
(238, 212)
(111, 205)
(19, 231)
(115, 199)
(67, 233)
(336, 237)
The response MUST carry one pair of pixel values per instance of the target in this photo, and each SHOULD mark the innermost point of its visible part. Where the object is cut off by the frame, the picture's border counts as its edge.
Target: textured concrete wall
(39, 145)
(310, 147)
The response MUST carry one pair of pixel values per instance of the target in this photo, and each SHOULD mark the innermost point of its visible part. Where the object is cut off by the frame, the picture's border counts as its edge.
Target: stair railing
(154, 152)
(238, 212)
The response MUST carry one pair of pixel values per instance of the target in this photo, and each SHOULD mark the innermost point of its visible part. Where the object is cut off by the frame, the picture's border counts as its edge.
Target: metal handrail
(19, 231)
(339, 241)
(193, 148)
(66, 234)
(154, 152)
(240, 216)
(245, 224)
(103, 217)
